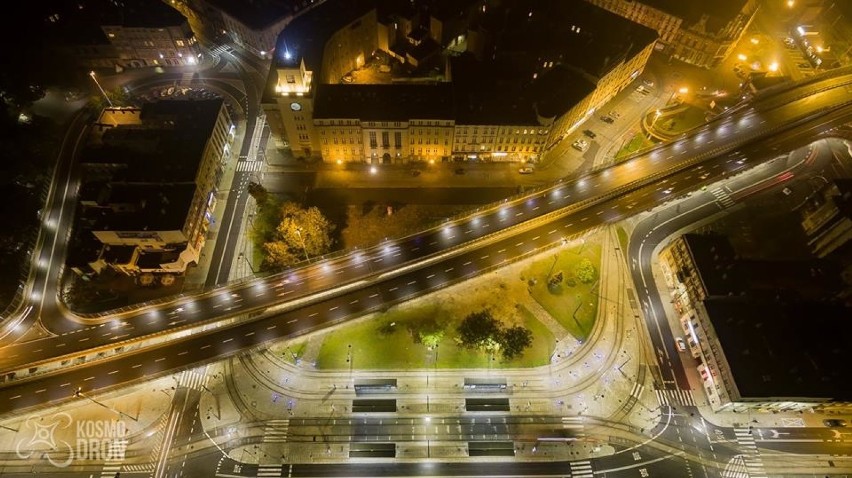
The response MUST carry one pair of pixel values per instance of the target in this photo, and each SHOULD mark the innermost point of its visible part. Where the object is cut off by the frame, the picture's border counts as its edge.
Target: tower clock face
(295, 106)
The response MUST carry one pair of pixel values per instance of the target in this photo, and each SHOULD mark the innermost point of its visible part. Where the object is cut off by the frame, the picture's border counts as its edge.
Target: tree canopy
(302, 233)
(481, 330)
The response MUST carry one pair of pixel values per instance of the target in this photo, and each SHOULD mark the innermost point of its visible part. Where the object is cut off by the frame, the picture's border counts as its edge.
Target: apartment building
(149, 187)
(738, 316)
(699, 33)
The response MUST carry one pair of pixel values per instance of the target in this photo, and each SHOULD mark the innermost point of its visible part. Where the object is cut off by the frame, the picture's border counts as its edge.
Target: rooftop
(714, 259)
(140, 207)
(166, 147)
(780, 350)
(384, 102)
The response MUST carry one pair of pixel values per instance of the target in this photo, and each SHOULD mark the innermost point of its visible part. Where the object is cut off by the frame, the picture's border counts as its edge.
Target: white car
(681, 345)
(581, 145)
(526, 170)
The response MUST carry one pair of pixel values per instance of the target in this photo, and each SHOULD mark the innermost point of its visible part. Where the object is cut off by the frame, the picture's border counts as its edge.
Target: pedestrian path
(675, 397)
(751, 455)
(723, 197)
(575, 424)
(582, 469)
(243, 165)
(275, 431)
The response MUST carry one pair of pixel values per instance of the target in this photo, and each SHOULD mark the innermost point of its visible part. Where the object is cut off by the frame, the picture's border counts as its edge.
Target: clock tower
(294, 96)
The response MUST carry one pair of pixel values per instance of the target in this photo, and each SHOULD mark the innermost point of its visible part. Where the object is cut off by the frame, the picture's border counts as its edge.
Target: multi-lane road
(359, 282)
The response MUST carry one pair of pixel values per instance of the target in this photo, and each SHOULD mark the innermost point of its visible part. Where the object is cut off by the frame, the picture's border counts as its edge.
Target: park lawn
(574, 307)
(639, 142)
(378, 345)
(684, 121)
(365, 228)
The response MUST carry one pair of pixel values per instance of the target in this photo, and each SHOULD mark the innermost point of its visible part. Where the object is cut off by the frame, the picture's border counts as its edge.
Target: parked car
(834, 422)
(681, 345)
(581, 145)
(607, 119)
(526, 170)
(589, 133)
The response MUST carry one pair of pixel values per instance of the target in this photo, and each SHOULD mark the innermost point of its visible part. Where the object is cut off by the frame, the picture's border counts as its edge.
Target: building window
(397, 139)
(291, 79)
(373, 143)
(385, 139)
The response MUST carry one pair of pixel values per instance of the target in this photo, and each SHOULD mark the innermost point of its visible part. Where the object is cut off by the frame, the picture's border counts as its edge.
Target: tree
(258, 192)
(514, 340)
(586, 271)
(479, 330)
(300, 232)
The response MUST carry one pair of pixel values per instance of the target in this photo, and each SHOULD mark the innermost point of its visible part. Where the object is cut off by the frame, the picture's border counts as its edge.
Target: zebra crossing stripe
(249, 165)
(723, 197)
(275, 431)
(269, 470)
(676, 397)
(581, 469)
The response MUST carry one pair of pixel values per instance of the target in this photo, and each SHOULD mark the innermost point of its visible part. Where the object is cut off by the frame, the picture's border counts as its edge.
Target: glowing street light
(791, 3)
(302, 239)
(773, 66)
(742, 57)
(92, 74)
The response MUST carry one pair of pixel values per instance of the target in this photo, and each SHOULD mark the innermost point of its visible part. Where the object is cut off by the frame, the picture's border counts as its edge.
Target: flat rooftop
(777, 350)
(166, 147)
(142, 207)
(384, 102)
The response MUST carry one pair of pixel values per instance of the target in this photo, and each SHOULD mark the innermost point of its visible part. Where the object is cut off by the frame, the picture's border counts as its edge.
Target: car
(648, 83)
(787, 191)
(581, 145)
(834, 422)
(589, 133)
(607, 119)
(348, 78)
(526, 170)
(681, 345)
(803, 65)
(459, 171)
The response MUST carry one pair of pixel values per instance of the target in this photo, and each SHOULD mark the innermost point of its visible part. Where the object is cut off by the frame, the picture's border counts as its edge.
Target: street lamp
(657, 115)
(302, 239)
(92, 74)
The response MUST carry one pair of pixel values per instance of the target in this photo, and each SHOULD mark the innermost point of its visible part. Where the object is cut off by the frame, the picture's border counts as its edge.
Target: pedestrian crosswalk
(735, 468)
(145, 468)
(269, 470)
(192, 379)
(751, 456)
(575, 424)
(723, 197)
(111, 469)
(581, 469)
(249, 165)
(675, 397)
(275, 431)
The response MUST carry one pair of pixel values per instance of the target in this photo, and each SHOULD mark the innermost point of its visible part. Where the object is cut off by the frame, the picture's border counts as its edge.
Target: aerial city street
(394, 238)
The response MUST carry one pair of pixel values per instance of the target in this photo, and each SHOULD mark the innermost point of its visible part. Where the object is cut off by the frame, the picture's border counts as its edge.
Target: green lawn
(637, 143)
(572, 303)
(386, 341)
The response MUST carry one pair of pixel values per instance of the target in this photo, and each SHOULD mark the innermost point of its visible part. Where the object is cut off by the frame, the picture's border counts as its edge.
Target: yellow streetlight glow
(755, 41)
(791, 3)
(742, 57)
(683, 90)
(773, 66)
